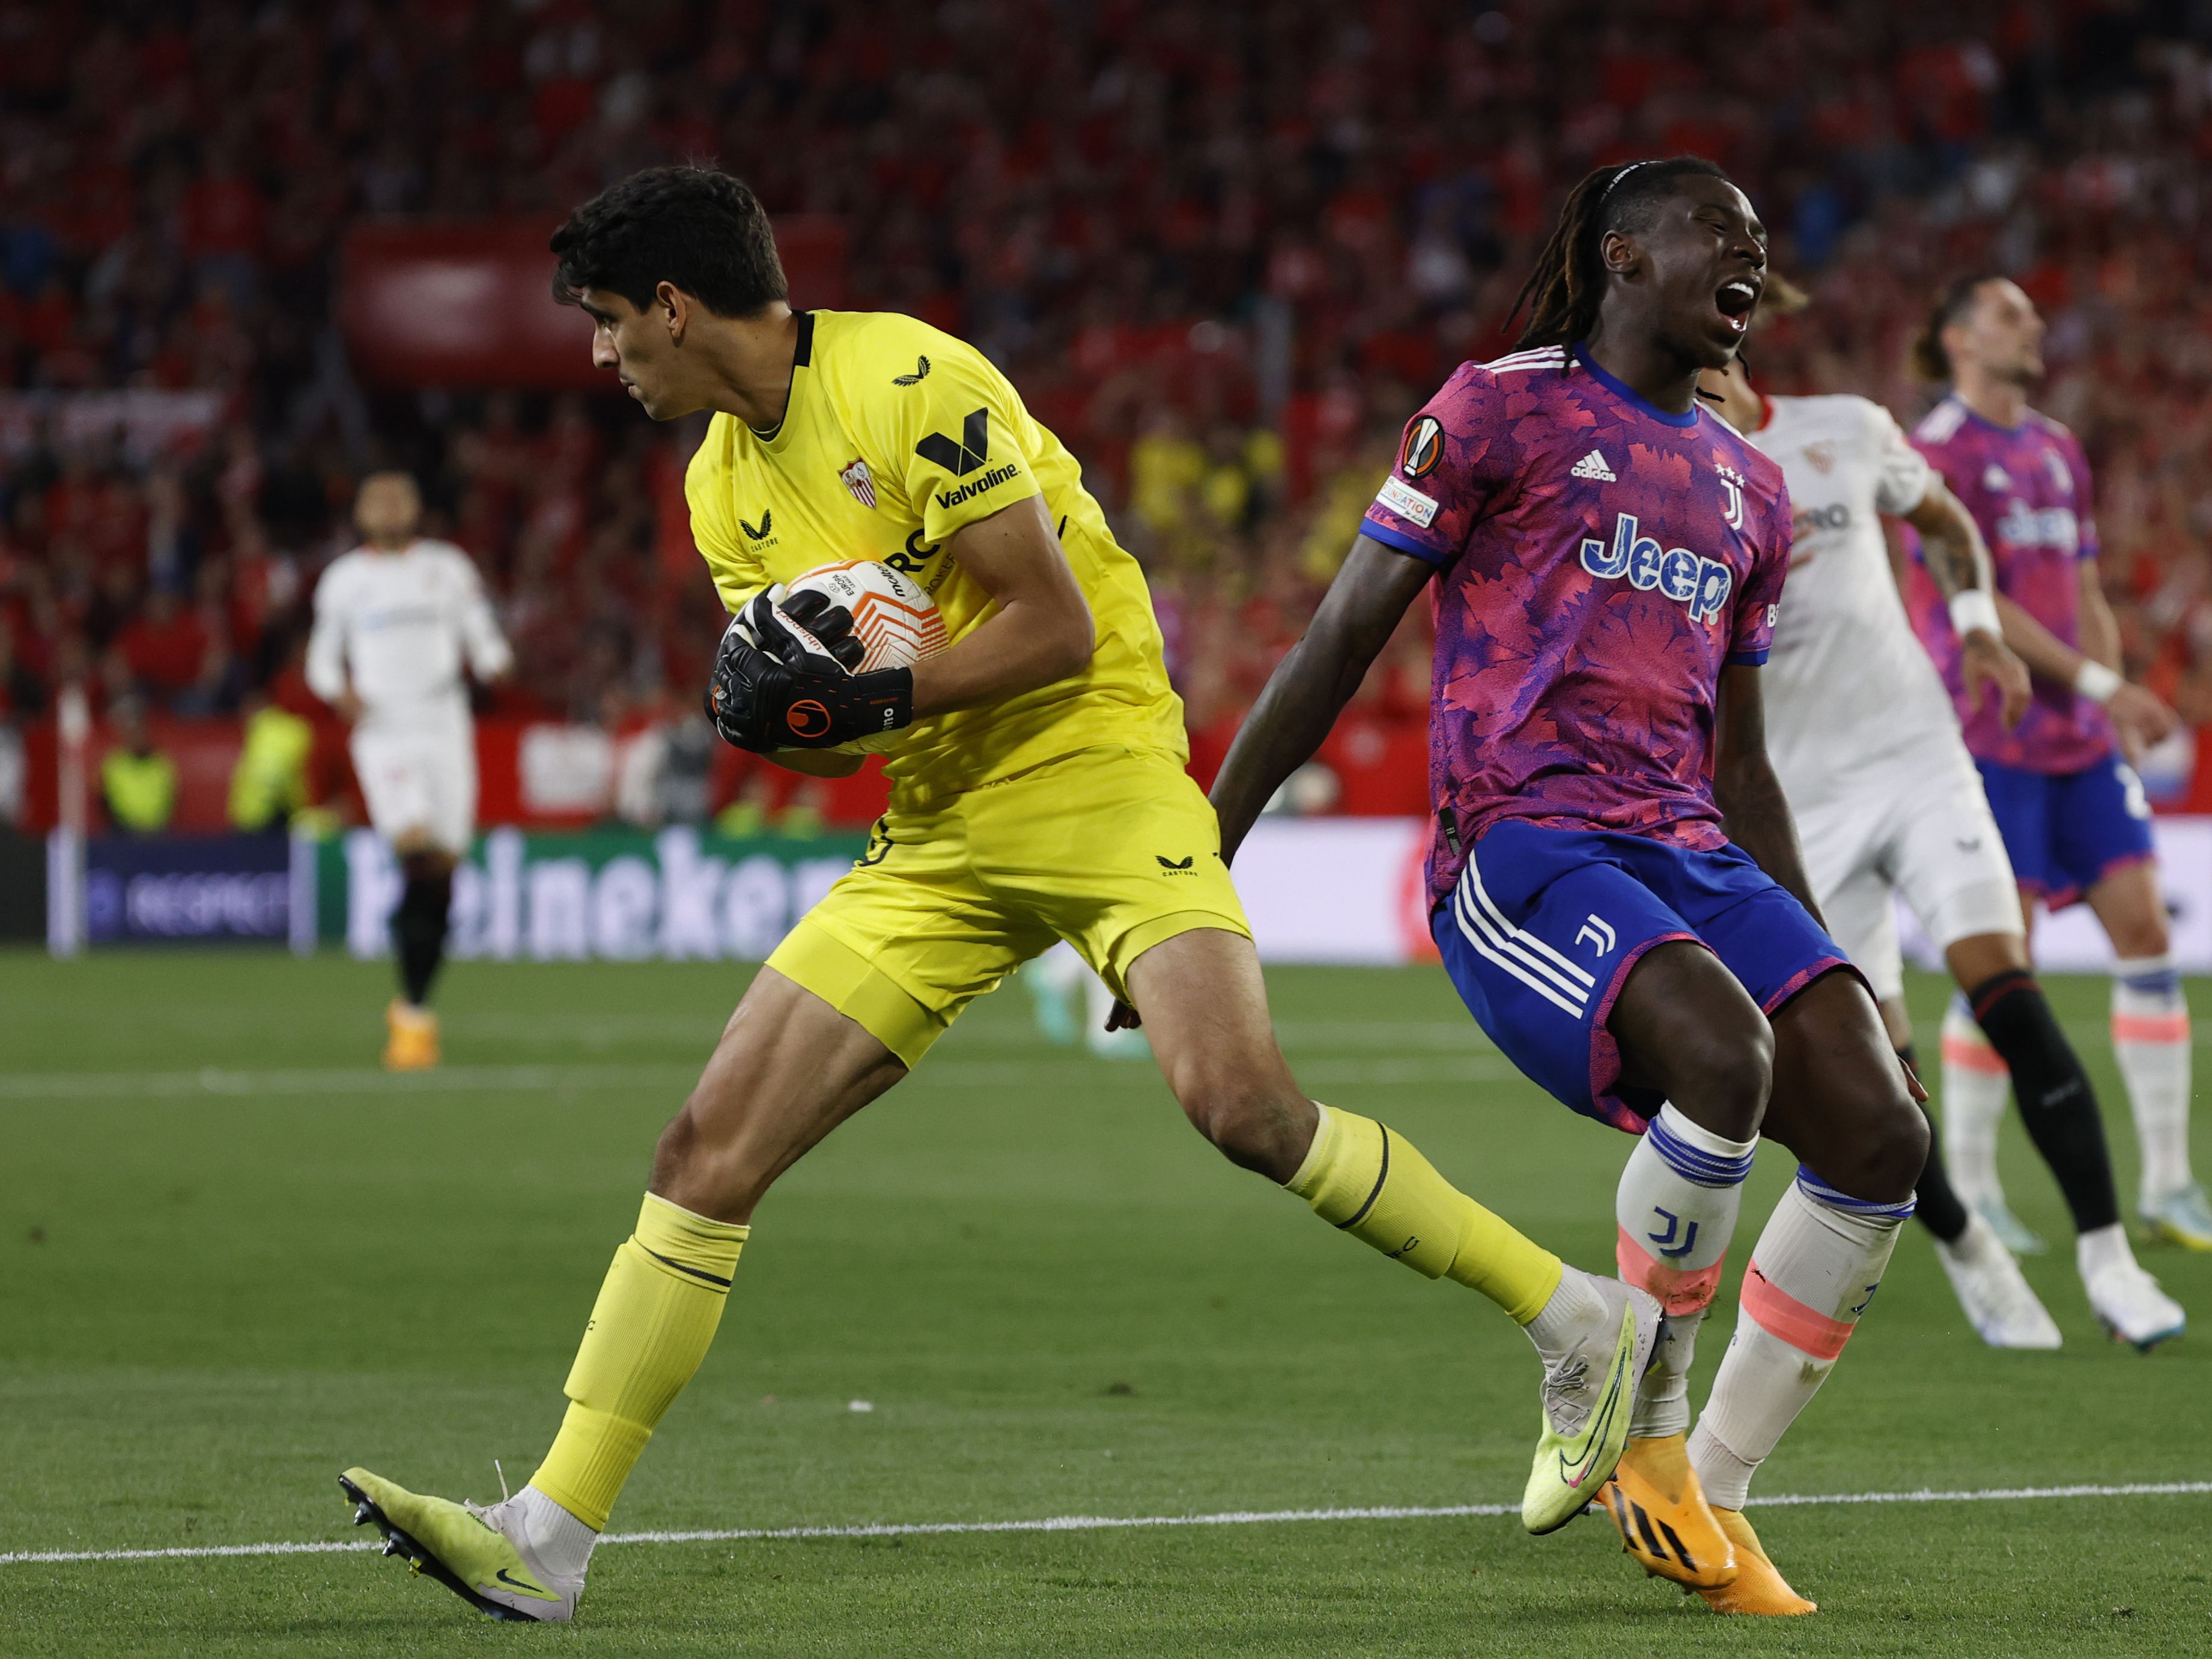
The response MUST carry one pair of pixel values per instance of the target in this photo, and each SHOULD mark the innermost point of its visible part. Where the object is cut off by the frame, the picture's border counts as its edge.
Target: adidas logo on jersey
(1593, 465)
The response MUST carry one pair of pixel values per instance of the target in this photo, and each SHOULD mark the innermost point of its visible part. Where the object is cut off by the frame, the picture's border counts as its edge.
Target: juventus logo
(1665, 1242)
(1732, 483)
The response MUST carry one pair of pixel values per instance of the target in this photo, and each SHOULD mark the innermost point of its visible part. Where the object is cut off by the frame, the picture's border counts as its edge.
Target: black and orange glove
(775, 685)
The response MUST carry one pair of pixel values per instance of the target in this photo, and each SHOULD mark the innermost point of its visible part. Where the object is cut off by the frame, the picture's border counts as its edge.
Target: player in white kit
(1887, 801)
(396, 621)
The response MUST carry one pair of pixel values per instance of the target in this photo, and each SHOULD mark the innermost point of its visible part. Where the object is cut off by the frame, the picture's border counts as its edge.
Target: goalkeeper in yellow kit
(1038, 793)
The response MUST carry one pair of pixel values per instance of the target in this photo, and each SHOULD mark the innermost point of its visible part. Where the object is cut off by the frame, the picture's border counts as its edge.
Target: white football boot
(2129, 1303)
(2015, 1235)
(1997, 1298)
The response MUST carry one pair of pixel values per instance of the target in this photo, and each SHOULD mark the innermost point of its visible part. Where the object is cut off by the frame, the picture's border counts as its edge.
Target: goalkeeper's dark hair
(1930, 361)
(1563, 293)
(695, 227)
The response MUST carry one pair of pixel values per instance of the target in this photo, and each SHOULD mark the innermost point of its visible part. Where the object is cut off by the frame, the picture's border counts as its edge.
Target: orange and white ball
(896, 623)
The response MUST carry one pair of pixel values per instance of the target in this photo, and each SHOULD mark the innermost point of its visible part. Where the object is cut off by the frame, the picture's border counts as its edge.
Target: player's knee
(1725, 1078)
(689, 1168)
(2140, 936)
(1247, 1113)
(1888, 1147)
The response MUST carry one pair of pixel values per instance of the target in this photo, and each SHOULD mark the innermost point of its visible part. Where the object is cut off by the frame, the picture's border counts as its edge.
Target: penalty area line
(1129, 1522)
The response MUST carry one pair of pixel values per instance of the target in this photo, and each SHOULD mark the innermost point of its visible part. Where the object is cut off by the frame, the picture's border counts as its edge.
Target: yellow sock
(1376, 1185)
(650, 1328)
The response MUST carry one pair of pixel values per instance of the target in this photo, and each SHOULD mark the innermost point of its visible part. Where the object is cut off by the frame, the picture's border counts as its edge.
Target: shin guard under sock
(651, 1327)
(2057, 1104)
(1675, 1211)
(1939, 1208)
(1813, 1271)
(2150, 1041)
(1365, 1180)
(419, 923)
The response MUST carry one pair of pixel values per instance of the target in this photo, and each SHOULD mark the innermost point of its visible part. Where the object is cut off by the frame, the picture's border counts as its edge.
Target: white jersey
(397, 627)
(1849, 693)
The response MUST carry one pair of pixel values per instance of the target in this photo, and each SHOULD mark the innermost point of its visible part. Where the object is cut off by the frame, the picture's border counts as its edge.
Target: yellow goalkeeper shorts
(1110, 848)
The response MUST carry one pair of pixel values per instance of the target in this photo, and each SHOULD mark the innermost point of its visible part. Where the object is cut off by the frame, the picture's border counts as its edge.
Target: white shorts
(1924, 832)
(419, 784)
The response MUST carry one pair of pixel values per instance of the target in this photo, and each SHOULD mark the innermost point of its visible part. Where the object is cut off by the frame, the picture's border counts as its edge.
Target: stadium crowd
(1223, 251)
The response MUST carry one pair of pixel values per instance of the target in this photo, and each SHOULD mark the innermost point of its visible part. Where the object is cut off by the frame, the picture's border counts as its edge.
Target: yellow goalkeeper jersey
(895, 436)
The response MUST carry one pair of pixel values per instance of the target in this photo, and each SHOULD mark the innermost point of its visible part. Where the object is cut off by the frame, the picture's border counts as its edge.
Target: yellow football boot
(2182, 1218)
(476, 1552)
(411, 1040)
(1662, 1517)
(1759, 1588)
(1587, 1397)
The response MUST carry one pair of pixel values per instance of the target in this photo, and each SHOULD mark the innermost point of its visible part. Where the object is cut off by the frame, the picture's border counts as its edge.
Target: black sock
(418, 932)
(1937, 1205)
(2057, 1104)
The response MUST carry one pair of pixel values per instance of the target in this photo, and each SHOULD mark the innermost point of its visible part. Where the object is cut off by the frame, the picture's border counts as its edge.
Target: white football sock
(558, 1539)
(1564, 1320)
(1813, 1271)
(1975, 1086)
(2150, 1041)
(2101, 1248)
(1675, 1209)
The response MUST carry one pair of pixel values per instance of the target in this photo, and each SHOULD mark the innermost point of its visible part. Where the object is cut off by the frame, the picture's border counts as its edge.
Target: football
(896, 623)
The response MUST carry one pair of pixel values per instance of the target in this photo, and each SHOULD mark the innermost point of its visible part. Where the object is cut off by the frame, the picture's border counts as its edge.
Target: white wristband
(1974, 610)
(2096, 682)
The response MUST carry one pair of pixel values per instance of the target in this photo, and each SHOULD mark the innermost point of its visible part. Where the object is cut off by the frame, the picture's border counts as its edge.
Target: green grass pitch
(234, 1259)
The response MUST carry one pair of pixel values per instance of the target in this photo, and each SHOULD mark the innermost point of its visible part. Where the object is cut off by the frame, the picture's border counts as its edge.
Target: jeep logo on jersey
(2055, 527)
(962, 458)
(1685, 577)
(1424, 448)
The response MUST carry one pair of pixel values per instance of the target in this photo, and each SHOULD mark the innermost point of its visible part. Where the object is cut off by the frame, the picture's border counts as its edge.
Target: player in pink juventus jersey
(1614, 882)
(2071, 810)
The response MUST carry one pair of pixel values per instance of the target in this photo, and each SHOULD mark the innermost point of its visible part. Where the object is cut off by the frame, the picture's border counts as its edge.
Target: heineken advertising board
(610, 894)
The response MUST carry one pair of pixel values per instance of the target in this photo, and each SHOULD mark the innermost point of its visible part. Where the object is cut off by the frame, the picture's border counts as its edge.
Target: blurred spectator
(1224, 252)
(270, 782)
(137, 781)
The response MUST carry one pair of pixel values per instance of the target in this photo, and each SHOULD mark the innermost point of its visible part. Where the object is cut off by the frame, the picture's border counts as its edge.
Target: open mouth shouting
(1734, 300)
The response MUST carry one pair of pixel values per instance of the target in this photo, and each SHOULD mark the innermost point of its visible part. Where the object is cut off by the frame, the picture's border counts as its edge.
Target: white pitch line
(1124, 1522)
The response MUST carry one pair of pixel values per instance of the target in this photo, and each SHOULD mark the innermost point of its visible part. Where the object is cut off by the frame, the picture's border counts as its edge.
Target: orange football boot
(1759, 1588)
(1662, 1517)
(412, 1045)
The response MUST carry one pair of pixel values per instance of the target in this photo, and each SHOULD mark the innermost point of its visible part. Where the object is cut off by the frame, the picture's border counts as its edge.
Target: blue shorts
(2067, 831)
(1545, 924)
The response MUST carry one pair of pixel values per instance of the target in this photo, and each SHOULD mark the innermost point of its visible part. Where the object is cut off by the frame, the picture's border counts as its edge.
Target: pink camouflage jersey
(2028, 489)
(1599, 561)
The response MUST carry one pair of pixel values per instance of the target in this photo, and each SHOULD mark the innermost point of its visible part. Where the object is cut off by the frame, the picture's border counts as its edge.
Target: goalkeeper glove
(802, 630)
(778, 684)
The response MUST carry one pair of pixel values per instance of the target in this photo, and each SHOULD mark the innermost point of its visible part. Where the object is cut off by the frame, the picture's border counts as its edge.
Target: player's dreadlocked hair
(1562, 293)
(1930, 360)
(696, 227)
